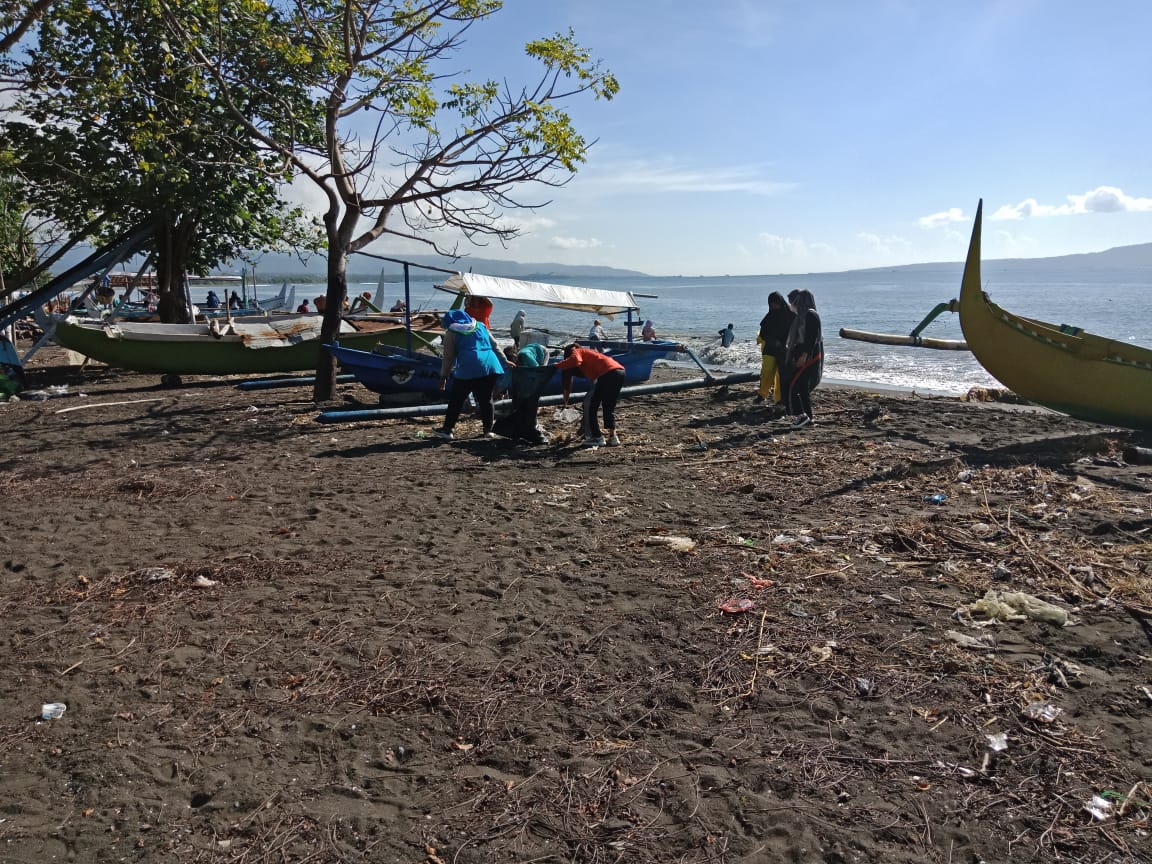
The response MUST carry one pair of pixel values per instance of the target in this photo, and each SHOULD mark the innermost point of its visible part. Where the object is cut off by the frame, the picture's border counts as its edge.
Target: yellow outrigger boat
(1060, 367)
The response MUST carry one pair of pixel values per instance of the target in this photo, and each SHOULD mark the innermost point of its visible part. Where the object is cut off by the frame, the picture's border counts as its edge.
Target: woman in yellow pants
(773, 335)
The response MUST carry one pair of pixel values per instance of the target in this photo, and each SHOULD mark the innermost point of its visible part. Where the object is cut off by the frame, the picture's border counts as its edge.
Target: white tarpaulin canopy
(596, 300)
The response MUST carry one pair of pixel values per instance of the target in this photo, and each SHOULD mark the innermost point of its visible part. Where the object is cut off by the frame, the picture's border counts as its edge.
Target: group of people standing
(792, 361)
(471, 366)
(792, 354)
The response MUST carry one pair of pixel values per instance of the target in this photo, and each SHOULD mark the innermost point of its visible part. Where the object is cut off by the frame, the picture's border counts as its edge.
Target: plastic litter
(737, 605)
(680, 544)
(1016, 606)
(984, 643)
(1100, 808)
(822, 653)
(938, 498)
(566, 415)
(1041, 712)
(998, 742)
(52, 710)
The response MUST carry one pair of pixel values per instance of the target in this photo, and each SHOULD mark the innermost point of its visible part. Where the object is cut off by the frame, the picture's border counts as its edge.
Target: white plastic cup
(53, 710)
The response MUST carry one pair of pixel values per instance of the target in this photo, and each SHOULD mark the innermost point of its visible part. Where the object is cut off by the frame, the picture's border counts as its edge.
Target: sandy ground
(281, 641)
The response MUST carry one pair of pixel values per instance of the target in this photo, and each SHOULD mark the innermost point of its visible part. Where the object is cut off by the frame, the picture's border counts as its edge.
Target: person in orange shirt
(606, 377)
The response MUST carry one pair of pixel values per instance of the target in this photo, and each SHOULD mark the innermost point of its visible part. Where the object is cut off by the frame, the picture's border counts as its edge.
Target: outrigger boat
(1055, 365)
(401, 372)
(244, 345)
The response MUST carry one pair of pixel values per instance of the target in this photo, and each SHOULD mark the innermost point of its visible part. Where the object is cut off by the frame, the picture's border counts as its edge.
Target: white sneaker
(801, 421)
(489, 435)
(595, 442)
(613, 440)
(443, 435)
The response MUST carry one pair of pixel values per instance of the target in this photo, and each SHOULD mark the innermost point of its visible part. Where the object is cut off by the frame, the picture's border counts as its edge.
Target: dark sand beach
(281, 641)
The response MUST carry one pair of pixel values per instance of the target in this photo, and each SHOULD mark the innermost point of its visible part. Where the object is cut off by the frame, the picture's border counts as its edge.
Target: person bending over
(606, 377)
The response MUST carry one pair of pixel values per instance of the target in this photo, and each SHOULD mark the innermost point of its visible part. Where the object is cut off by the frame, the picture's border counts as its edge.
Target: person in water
(471, 362)
(727, 336)
(606, 377)
(773, 339)
(804, 358)
(648, 332)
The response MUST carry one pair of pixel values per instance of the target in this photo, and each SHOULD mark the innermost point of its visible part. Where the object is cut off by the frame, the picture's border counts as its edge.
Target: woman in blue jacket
(471, 361)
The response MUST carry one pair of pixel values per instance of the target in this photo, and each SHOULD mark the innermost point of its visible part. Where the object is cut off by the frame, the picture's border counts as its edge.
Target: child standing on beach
(606, 377)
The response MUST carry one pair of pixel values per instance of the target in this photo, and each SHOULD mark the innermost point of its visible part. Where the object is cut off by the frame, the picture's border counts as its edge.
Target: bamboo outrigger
(913, 339)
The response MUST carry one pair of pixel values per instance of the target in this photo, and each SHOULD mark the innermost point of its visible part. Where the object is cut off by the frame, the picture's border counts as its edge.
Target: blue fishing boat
(400, 373)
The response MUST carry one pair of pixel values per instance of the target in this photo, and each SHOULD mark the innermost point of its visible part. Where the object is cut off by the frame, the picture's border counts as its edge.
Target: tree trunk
(325, 387)
(339, 235)
(173, 250)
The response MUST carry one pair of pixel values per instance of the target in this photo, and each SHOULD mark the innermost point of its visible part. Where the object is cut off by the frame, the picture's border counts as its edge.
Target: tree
(114, 126)
(459, 150)
(16, 19)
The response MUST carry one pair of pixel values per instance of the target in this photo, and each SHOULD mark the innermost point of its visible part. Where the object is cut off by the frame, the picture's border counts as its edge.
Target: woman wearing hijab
(479, 308)
(804, 358)
(517, 327)
(773, 339)
(470, 359)
(648, 334)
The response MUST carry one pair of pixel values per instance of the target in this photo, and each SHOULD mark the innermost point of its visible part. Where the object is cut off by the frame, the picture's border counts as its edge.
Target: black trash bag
(526, 385)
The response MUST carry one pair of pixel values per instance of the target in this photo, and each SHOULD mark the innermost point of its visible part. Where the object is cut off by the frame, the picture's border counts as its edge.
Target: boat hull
(1063, 368)
(183, 349)
(399, 373)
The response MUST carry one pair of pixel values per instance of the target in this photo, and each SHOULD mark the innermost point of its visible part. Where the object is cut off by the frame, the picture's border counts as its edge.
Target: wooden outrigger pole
(913, 339)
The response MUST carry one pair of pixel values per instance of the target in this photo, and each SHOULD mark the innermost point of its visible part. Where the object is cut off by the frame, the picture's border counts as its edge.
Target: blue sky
(772, 136)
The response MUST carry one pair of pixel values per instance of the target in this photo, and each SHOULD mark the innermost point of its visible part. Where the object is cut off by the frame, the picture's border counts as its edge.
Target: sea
(1114, 302)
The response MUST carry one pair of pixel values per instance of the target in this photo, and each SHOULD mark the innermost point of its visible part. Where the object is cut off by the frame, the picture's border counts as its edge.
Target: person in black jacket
(804, 358)
(773, 338)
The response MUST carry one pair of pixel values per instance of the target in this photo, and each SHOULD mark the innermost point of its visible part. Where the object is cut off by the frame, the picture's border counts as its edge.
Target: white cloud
(749, 179)
(526, 223)
(1102, 199)
(890, 245)
(795, 247)
(577, 243)
(935, 220)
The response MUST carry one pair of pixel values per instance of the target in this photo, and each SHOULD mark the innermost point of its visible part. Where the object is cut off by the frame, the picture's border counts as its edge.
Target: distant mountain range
(360, 269)
(275, 267)
(1136, 257)
(363, 269)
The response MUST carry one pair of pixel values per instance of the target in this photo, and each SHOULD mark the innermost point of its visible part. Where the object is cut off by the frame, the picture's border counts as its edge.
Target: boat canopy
(596, 300)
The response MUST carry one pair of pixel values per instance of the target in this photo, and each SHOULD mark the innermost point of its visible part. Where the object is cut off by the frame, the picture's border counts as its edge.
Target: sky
(796, 136)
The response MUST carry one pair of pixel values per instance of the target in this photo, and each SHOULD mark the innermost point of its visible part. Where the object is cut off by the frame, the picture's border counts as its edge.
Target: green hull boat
(242, 346)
